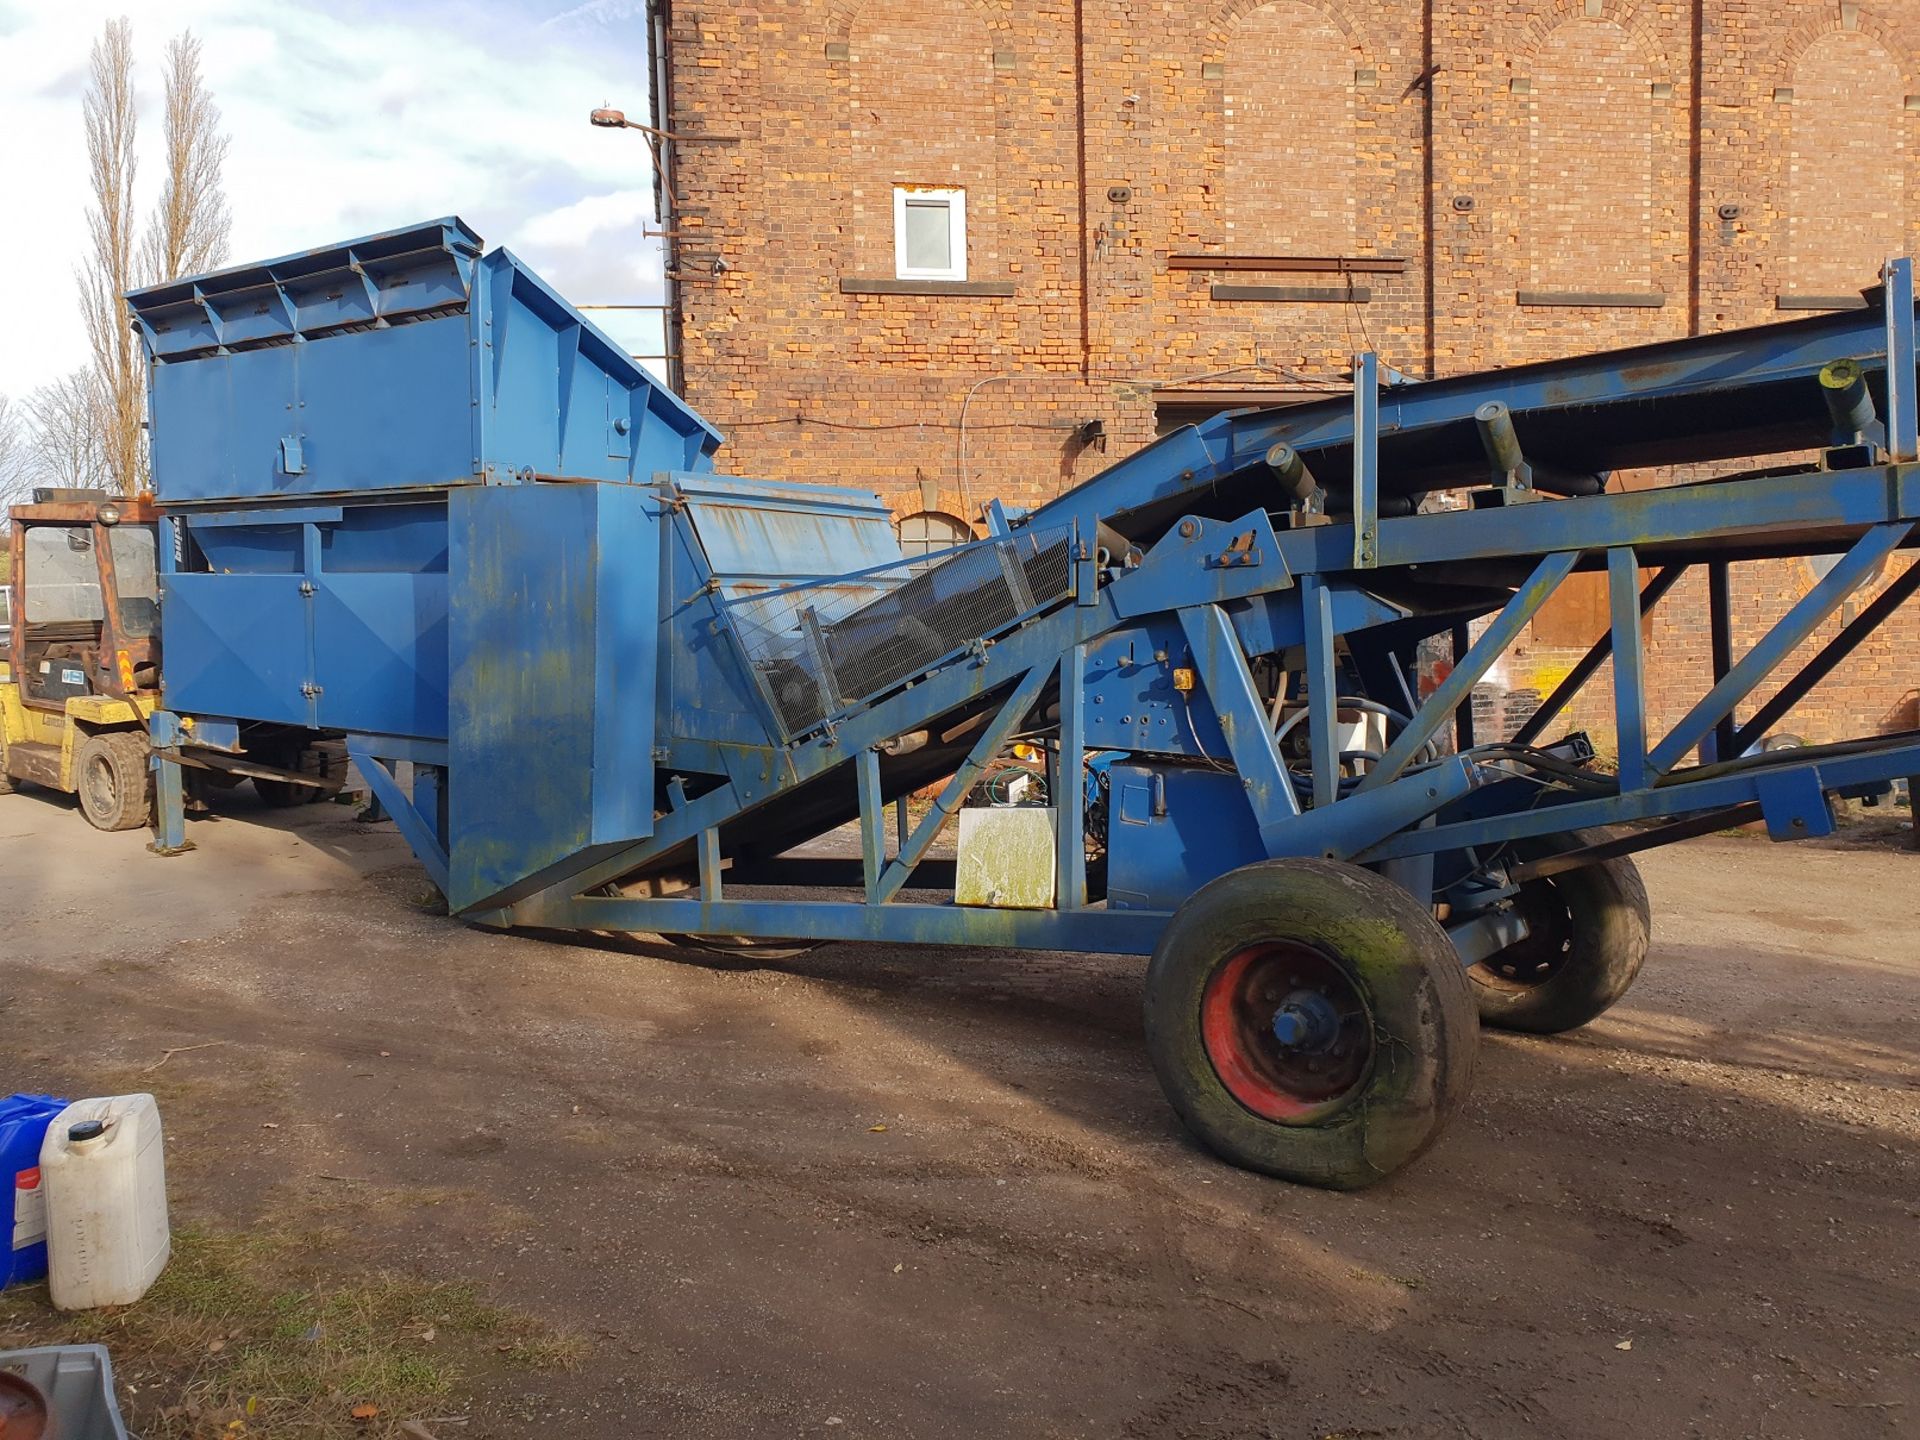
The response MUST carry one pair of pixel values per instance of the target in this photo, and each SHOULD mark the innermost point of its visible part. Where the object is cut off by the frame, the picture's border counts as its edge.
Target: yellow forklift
(81, 671)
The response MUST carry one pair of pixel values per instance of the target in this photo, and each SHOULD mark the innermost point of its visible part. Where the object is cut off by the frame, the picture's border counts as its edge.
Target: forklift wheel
(1310, 1019)
(1588, 932)
(114, 781)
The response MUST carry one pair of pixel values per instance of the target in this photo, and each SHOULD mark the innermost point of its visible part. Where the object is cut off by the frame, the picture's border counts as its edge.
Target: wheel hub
(1306, 1021)
(1543, 954)
(1288, 1031)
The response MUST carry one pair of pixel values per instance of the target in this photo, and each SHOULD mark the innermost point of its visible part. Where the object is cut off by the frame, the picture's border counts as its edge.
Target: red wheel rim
(1287, 1031)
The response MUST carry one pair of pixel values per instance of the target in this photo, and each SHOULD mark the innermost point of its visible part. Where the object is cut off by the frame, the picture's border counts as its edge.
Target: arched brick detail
(1847, 156)
(1639, 21)
(1825, 21)
(843, 14)
(1227, 18)
(1590, 140)
(1289, 131)
(909, 61)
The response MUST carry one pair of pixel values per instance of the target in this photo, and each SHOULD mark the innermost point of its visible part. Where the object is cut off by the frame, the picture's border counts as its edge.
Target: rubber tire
(1399, 958)
(129, 759)
(280, 794)
(1610, 929)
(284, 795)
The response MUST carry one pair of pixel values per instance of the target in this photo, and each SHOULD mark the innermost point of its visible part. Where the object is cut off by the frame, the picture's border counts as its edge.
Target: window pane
(63, 578)
(928, 236)
(134, 578)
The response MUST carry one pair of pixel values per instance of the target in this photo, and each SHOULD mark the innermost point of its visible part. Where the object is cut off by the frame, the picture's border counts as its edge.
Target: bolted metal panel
(397, 361)
(553, 657)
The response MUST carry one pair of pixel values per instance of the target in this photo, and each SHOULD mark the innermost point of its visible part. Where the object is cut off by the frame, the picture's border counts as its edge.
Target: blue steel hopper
(632, 691)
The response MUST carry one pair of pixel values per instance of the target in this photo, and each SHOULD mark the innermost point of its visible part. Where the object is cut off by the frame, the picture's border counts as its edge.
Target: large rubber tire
(283, 794)
(114, 780)
(1590, 931)
(280, 794)
(1383, 1081)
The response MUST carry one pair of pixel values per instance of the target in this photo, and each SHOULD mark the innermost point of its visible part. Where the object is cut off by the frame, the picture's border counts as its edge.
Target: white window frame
(956, 203)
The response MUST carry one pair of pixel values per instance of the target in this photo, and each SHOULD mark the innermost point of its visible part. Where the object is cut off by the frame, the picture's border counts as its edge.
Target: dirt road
(881, 1192)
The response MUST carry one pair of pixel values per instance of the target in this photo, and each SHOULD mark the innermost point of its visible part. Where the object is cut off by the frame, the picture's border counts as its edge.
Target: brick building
(957, 249)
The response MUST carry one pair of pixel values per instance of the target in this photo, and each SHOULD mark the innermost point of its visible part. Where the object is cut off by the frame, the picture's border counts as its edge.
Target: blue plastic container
(23, 1125)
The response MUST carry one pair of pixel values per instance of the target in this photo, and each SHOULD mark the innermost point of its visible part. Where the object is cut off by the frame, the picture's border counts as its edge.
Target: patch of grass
(547, 1352)
(254, 1333)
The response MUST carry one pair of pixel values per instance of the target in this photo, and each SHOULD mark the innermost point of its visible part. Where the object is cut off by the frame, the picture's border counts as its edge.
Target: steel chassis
(1281, 580)
(1244, 587)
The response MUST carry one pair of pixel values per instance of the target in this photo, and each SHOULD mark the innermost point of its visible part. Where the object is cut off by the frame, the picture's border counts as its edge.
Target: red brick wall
(1570, 154)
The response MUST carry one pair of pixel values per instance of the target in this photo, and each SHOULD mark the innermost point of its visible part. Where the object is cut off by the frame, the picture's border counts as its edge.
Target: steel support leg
(1069, 791)
(1462, 641)
(873, 822)
(1720, 641)
(1366, 460)
(1323, 718)
(169, 808)
(1629, 666)
(1903, 409)
(1243, 719)
(423, 829)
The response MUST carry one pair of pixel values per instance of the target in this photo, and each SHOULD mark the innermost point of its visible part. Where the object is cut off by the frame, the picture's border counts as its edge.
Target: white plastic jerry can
(105, 1174)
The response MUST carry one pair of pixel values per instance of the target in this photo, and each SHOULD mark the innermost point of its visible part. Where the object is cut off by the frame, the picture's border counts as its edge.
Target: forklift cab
(86, 598)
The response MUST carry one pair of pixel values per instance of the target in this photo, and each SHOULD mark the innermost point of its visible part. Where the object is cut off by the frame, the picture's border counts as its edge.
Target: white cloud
(363, 118)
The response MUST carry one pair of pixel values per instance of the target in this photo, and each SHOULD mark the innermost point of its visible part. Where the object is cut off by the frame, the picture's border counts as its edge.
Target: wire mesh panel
(821, 646)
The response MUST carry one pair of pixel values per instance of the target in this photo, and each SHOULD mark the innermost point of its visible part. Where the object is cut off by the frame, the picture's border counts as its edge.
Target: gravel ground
(885, 1192)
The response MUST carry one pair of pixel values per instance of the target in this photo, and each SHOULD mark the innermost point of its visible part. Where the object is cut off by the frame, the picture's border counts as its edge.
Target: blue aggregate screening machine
(420, 507)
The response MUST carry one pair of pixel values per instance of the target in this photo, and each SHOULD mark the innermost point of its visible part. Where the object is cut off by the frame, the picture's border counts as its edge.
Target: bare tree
(189, 229)
(108, 273)
(68, 432)
(16, 453)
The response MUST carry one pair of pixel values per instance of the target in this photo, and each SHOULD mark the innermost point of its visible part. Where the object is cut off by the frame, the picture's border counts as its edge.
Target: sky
(345, 119)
